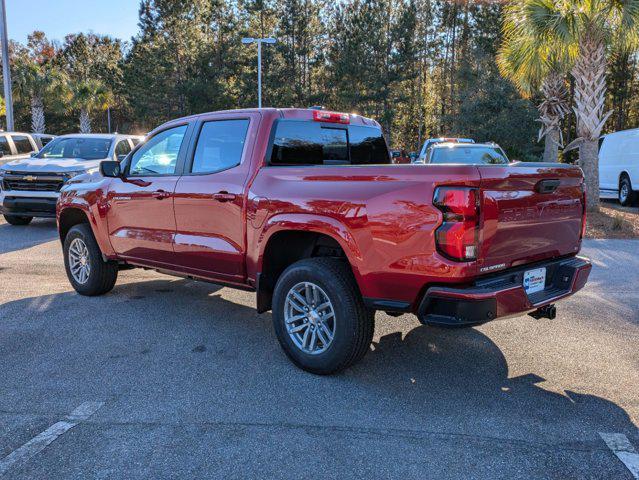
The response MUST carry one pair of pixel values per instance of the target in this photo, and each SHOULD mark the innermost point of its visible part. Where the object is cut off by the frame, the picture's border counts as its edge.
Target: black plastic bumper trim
(386, 305)
(29, 206)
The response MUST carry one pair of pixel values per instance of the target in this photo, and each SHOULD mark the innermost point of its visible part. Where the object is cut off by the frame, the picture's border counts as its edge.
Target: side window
(159, 155)
(4, 146)
(309, 143)
(219, 146)
(122, 149)
(22, 143)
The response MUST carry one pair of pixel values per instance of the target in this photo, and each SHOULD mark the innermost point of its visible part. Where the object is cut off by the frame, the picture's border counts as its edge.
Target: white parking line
(621, 446)
(42, 440)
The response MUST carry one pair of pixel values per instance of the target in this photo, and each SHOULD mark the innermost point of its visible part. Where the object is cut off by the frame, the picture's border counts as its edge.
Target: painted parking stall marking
(42, 440)
(623, 449)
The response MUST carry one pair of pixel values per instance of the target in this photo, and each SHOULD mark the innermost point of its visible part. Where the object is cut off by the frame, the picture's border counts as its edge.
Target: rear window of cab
(298, 143)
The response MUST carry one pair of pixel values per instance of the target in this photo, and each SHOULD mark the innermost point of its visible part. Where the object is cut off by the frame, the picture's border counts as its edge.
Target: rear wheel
(626, 194)
(319, 316)
(88, 273)
(18, 220)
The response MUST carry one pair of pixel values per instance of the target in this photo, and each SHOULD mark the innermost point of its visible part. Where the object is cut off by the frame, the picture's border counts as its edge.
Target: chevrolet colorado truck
(304, 208)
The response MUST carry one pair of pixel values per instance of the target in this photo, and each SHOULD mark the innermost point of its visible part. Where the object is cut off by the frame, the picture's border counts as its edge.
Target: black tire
(354, 323)
(102, 275)
(628, 199)
(16, 220)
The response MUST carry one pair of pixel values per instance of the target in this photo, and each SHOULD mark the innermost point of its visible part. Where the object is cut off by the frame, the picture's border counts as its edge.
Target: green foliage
(420, 67)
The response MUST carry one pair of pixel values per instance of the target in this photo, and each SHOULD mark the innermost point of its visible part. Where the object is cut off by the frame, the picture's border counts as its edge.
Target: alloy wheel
(79, 261)
(310, 318)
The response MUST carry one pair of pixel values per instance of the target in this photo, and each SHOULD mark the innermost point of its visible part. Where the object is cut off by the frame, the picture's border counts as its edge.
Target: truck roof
(286, 113)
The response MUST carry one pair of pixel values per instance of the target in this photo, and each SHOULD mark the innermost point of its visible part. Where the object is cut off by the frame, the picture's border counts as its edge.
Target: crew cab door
(210, 197)
(140, 216)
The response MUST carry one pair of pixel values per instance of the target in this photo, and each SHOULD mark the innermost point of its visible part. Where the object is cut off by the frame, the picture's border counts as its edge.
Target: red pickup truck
(305, 208)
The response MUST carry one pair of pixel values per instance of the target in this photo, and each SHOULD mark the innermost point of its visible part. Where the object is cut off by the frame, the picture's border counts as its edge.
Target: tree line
(422, 68)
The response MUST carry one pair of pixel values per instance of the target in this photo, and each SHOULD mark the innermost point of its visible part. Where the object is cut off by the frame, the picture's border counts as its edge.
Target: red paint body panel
(520, 225)
(382, 216)
(140, 218)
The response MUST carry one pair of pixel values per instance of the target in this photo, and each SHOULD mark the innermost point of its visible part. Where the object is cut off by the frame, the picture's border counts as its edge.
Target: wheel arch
(624, 173)
(286, 242)
(70, 217)
(76, 213)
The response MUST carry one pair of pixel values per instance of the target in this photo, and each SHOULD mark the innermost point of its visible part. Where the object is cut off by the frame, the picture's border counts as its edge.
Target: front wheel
(88, 273)
(626, 194)
(319, 316)
(17, 220)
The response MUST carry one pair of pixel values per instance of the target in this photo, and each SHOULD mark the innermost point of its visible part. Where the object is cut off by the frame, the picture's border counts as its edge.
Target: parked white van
(619, 166)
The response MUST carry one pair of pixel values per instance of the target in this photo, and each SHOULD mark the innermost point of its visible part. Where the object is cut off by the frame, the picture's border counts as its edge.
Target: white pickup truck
(30, 186)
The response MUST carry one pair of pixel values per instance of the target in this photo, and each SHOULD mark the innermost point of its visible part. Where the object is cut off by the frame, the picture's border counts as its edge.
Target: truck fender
(310, 223)
(91, 211)
(301, 222)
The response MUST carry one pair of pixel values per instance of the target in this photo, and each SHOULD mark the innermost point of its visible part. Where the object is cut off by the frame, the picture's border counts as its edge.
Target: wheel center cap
(83, 260)
(314, 316)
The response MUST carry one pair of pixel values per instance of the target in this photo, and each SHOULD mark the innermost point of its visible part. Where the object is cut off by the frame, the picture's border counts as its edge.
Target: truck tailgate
(530, 212)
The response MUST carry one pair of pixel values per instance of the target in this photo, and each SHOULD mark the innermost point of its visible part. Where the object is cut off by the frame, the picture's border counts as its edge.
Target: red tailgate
(529, 212)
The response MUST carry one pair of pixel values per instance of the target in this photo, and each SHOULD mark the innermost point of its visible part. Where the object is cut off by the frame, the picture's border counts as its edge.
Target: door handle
(161, 194)
(224, 196)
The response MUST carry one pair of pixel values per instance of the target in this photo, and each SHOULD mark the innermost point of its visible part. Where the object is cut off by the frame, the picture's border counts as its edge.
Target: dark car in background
(399, 157)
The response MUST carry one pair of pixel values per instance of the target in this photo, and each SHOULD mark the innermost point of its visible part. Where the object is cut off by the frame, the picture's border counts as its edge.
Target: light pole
(259, 41)
(6, 66)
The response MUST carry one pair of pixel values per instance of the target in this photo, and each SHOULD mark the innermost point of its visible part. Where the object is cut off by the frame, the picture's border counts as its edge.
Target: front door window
(159, 155)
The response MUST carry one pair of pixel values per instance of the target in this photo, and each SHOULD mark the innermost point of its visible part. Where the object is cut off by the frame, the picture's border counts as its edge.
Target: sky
(57, 18)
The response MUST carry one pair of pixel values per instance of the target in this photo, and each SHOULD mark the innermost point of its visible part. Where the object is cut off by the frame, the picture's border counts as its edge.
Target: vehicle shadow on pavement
(463, 373)
(170, 350)
(14, 237)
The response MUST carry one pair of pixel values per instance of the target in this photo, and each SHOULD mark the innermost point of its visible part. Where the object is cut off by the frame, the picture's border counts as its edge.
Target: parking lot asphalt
(185, 380)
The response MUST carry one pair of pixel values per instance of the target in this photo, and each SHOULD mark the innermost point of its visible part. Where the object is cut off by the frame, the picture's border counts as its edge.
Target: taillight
(458, 236)
(583, 214)
(331, 117)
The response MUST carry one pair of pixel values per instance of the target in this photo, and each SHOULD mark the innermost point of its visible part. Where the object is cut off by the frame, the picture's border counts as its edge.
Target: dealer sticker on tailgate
(535, 280)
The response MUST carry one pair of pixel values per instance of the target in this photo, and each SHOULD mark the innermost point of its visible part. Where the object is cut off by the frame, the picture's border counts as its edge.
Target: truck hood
(51, 165)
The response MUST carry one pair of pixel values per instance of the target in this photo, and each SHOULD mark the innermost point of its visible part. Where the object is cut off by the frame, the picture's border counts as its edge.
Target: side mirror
(110, 169)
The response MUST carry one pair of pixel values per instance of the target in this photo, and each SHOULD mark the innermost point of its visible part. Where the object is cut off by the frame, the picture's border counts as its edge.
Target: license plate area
(535, 280)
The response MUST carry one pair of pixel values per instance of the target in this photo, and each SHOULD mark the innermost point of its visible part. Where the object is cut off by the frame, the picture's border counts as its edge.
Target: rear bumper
(29, 206)
(502, 295)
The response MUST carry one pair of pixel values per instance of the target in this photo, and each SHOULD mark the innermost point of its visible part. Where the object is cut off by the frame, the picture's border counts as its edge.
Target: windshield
(77, 147)
(468, 155)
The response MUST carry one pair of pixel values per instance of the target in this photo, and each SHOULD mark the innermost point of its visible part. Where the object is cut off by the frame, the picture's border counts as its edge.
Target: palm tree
(34, 81)
(586, 29)
(534, 67)
(88, 96)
